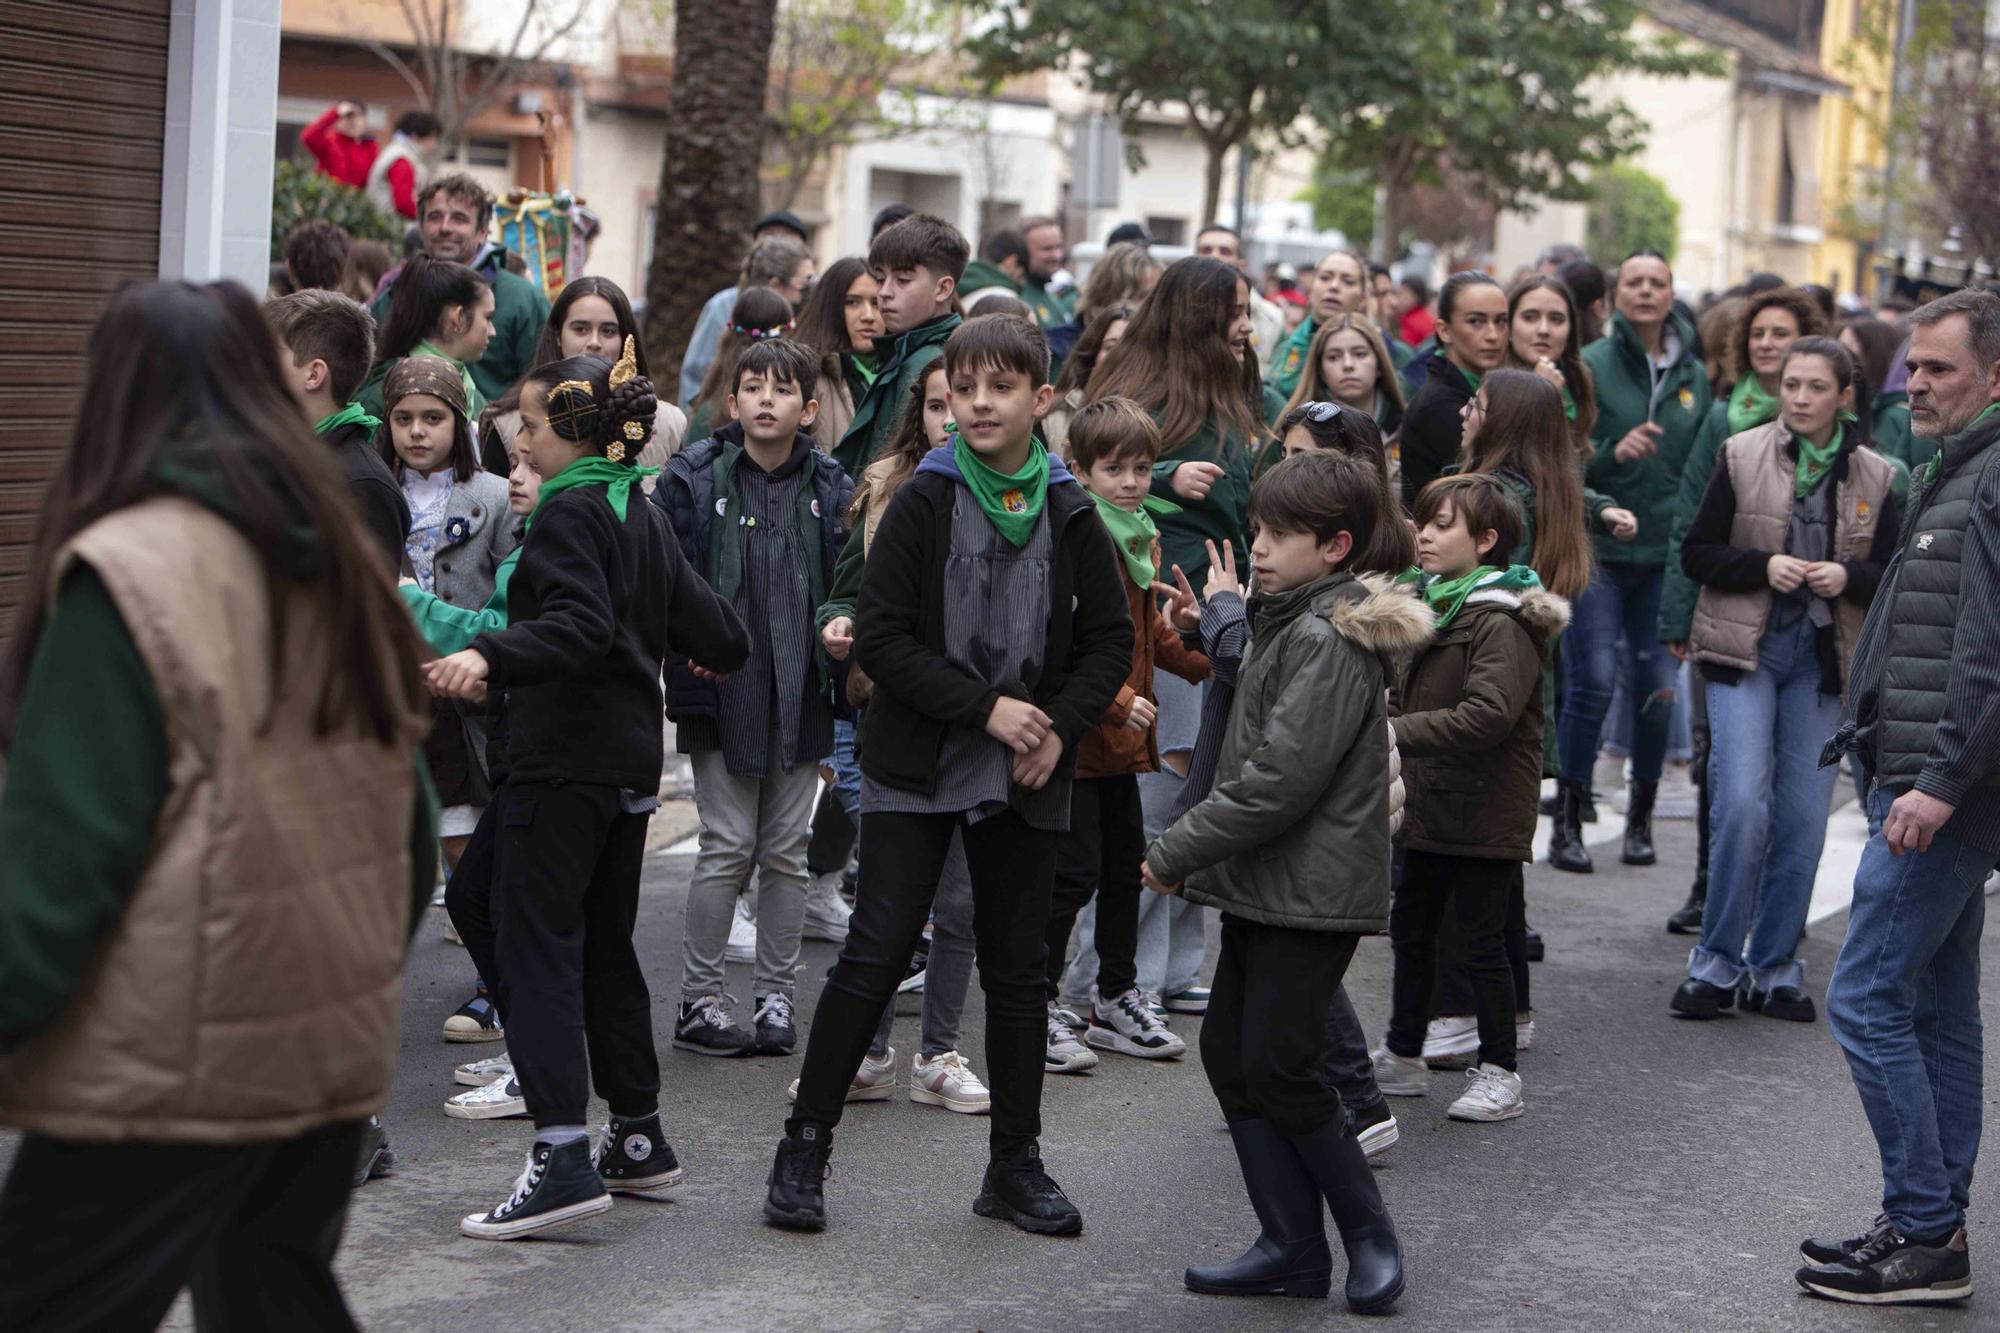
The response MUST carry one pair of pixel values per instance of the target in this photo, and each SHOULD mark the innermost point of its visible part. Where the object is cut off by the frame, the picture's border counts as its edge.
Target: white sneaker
(1129, 1026)
(451, 935)
(1453, 1038)
(875, 1081)
(496, 1101)
(1065, 1054)
(479, 1073)
(742, 946)
(949, 1082)
(1491, 1093)
(1399, 1076)
(827, 912)
(1069, 1016)
(1524, 1033)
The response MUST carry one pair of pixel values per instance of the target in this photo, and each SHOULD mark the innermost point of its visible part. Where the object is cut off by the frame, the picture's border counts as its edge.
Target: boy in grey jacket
(1292, 844)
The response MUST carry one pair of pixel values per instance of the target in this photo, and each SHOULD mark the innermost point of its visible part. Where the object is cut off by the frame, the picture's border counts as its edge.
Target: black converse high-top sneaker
(558, 1186)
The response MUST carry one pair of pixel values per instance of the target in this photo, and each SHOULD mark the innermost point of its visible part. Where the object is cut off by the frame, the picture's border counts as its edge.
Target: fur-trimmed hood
(1543, 613)
(1374, 612)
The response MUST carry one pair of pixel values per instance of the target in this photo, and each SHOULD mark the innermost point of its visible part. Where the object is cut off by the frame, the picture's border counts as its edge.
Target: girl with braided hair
(600, 598)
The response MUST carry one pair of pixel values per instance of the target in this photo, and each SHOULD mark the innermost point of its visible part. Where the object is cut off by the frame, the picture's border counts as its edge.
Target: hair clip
(635, 431)
(615, 451)
(758, 335)
(628, 364)
(1320, 412)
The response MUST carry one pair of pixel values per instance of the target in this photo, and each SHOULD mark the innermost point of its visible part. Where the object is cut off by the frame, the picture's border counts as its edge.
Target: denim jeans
(1621, 599)
(1904, 1005)
(1768, 800)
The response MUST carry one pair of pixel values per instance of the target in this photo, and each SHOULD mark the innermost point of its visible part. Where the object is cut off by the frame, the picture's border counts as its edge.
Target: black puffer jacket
(1924, 696)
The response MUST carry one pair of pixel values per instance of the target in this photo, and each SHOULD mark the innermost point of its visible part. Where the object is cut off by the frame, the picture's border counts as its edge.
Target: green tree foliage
(831, 65)
(1343, 200)
(1241, 67)
(1632, 210)
(300, 193)
(1501, 95)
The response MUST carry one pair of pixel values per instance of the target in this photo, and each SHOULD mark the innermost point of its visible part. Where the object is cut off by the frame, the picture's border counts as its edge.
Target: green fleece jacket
(1050, 307)
(981, 276)
(900, 358)
(1223, 515)
(1627, 394)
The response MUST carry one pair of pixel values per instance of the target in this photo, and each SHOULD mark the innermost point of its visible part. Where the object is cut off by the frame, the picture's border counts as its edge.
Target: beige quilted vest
(252, 988)
(1728, 625)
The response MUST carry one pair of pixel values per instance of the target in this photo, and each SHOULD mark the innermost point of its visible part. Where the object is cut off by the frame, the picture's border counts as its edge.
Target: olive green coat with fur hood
(1469, 729)
(1295, 832)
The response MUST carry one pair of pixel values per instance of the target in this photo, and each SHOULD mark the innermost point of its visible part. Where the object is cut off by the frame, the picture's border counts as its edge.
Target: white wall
(215, 182)
(620, 160)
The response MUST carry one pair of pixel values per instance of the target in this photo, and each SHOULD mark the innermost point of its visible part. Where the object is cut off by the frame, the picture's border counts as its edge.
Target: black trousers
(902, 856)
(1101, 855)
(100, 1237)
(1479, 894)
(1263, 1041)
(545, 898)
(1454, 984)
(1348, 1068)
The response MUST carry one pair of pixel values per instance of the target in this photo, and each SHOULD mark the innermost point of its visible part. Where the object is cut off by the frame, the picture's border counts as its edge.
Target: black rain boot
(1639, 825)
(1374, 1256)
(1687, 921)
(1566, 849)
(1291, 1255)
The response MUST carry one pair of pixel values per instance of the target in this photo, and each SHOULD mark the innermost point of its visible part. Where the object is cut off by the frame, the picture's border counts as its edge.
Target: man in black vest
(1924, 715)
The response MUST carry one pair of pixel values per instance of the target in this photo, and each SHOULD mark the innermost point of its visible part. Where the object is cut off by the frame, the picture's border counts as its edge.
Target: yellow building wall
(1851, 150)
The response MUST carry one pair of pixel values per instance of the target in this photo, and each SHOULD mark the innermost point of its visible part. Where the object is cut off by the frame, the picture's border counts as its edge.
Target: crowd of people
(1003, 622)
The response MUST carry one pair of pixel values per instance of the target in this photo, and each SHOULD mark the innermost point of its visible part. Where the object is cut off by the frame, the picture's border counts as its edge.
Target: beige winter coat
(252, 988)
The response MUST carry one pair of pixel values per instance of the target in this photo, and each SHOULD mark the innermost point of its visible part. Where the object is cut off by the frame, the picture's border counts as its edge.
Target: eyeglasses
(1320, 412)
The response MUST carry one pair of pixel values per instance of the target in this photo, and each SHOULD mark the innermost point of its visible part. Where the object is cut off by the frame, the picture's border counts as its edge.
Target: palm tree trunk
(708, 194)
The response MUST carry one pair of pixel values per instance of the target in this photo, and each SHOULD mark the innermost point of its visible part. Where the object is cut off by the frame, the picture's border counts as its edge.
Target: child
(1470, 735)
(942, 965)
(1292, 845)
(917, 263)
(439, 309)
(758, 510)
(759, 315)
(991, 623)
(599, 582)
(216, 842)
(1112, 446)
(459, 533)
(329, 341)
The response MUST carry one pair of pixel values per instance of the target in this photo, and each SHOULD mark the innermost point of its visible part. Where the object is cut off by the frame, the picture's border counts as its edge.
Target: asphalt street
(1661, 1178)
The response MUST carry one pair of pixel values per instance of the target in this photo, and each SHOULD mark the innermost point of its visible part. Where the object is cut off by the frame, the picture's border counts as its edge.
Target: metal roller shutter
(83, 91)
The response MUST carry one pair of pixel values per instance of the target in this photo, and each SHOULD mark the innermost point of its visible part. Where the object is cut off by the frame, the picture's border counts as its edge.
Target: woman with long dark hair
(840, 322)
(437, 308)
(592, 317)
(202, 1001)
(1545, 335)
(1472, 339)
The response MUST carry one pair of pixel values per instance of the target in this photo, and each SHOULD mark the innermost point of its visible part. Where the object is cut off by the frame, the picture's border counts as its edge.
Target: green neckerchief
(474, 400)
(1011, 501)
(1936, 465)
(865, 366)
(1134, 532)
(1446, 596)
(1470, 378)
(354, 414)
(1569, 404)
(1750, 405)
(1815, 459)
(591, 470)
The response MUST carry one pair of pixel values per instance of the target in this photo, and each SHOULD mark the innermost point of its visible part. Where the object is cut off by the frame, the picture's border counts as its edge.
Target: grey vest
(1904, 658)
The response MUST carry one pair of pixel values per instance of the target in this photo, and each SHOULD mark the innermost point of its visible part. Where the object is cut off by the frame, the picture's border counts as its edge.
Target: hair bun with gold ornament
(628, 420)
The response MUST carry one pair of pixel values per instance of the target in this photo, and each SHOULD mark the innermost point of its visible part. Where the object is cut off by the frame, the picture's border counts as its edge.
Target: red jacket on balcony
(340, 156)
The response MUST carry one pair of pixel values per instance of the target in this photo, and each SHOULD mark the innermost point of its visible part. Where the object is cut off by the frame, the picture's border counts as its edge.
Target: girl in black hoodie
(599, 599)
